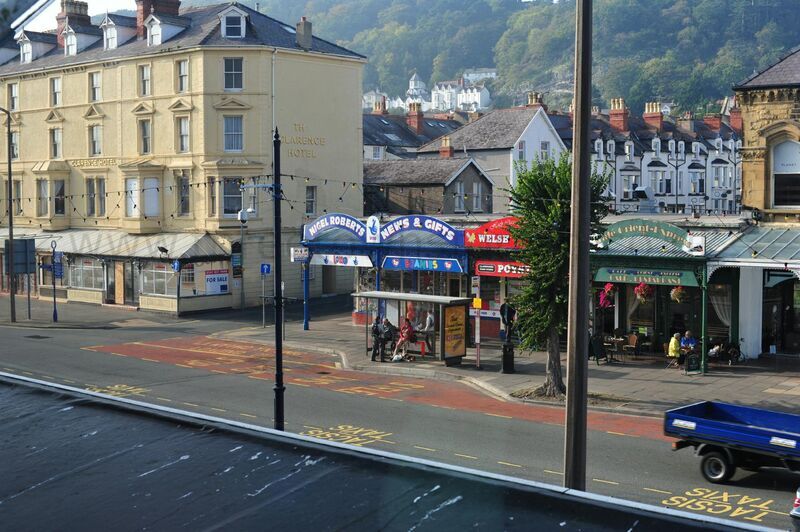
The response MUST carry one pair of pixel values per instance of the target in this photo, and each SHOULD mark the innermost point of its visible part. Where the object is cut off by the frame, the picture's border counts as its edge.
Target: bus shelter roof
(417, 298)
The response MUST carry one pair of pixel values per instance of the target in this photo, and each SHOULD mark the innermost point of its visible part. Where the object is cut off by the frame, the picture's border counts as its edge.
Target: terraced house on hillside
(133, 135)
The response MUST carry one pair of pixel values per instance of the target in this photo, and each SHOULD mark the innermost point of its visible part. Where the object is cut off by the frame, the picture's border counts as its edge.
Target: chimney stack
(713, 121)
(618, 115)
(414, 117)
(473, 116)
(535, 100)
(652, 115)
(446, 150)
(379, 108)
(304, 37)
(686, 122)
(735, 121)
(145, 7)
(76, 12)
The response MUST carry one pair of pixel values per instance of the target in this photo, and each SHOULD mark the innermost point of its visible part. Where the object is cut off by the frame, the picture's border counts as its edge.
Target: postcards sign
(492, 235)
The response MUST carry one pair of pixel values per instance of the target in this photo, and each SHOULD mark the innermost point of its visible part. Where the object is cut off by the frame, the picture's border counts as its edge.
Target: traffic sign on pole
(266, 268)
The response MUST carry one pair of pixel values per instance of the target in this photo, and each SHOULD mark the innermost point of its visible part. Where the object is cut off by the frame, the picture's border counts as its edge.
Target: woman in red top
(406, 336)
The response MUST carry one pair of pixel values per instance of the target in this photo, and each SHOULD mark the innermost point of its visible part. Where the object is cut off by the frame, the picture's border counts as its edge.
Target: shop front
(497, 276)
(407, 255)
(650, 279)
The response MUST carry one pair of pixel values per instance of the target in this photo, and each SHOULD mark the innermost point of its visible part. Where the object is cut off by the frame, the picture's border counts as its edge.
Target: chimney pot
(414, 117)
(72, 12)
(446, 151)
(304, 35)
(713, 121)
(652, 115)
(144, 8)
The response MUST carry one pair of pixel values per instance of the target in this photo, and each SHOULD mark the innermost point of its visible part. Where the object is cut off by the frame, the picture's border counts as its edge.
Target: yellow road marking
(658, 491)
(9, 370)
(298, 384)
(152, 360)
(218, 409)
(553, 472)
(190, 404)
(606, 481)
(69, 381)
(248, 415)
(466, 456)
(185, 366)
(508, 464)
(425, 448)
(240, 355)
(616, 433)
(164, 399)
(497, 415)
(48, 377)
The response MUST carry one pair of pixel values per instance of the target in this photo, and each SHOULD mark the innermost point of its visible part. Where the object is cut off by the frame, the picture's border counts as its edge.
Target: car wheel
(716, 467)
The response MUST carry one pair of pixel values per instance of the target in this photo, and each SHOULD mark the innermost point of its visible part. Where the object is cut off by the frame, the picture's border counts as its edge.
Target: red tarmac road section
(318, 371)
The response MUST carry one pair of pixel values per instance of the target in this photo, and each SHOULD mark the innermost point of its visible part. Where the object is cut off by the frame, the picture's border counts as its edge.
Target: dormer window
(70, 43)
(26, 52)
(154, 34)
(233, 26)
(109, 38)
(232, 22)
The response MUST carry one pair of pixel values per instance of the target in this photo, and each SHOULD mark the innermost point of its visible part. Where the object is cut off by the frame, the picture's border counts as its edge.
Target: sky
(47, 19)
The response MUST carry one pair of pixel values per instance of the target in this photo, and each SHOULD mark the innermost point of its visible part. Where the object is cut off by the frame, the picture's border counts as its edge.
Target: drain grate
(37, 337)
(323, 373)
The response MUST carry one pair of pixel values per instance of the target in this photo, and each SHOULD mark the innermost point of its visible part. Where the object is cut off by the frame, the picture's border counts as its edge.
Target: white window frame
(458, 204)
(91, 197)
(226, 27)
(17, 197)
(89, 268)
(183, 182)
(182, 131)
(211, 185)
(145, 80)
(544, 150)
(132, 207)
(59, 197)
(14, 145)
(182, 75)
(95, 86)
(232, 134)
(229, 69)
(95, 140)
(25, 52)
(521, 150)
(13, 96)
(42, 198)
(145, 136)
(228, 194)
(100, 190)
(56, 146)
(156, 275)
(70, 43)
(154, 34)
(110, 38)
(152, 197)
(55, 91)
(311, 200)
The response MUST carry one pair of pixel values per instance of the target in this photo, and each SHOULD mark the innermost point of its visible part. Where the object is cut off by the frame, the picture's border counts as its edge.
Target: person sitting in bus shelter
(406, 337)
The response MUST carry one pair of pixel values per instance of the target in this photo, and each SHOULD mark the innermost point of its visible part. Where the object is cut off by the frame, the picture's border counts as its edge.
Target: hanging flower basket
(678, 294)
(643, 292)
(607, 296)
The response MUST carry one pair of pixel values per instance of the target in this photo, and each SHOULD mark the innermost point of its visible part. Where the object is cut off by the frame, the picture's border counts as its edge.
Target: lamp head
(242, 216)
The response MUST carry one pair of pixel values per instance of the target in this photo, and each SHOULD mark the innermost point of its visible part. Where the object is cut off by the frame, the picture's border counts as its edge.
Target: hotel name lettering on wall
(93, 162)
(301, 145)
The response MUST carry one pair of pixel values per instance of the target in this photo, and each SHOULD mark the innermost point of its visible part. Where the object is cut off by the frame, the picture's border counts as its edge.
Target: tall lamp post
(242, 217)
(10, 258)
(608, 155)
(676, 159)
(735, 158)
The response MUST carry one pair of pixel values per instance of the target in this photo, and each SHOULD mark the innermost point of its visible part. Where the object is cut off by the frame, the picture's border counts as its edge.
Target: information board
(455, 331)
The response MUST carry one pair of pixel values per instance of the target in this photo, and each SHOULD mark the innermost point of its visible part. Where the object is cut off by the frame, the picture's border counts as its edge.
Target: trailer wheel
(716, 467)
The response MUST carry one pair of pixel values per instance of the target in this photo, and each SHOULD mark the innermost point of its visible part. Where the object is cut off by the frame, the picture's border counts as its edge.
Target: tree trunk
(554, 382)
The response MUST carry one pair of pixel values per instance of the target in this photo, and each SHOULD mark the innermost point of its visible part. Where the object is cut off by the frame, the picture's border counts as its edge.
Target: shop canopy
(114, 243)
(764, 244)
(415, 298)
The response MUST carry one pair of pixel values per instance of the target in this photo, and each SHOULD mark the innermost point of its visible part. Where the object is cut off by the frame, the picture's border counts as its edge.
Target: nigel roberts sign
(312, 230)
(636, 276)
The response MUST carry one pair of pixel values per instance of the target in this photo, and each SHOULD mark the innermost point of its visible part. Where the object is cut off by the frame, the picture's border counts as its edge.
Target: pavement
(642, 385)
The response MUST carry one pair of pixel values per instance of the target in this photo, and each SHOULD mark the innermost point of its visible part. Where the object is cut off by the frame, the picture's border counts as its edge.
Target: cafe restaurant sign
(680, 238)
(492, 235)
(636, 276)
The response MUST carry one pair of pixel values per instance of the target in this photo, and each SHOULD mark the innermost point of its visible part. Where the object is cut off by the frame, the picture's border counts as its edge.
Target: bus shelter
(449, 335)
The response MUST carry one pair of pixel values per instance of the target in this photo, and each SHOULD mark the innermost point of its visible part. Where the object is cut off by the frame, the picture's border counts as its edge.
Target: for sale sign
(216, 282)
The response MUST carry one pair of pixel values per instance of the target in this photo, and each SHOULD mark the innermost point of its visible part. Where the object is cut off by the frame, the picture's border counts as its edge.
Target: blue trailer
(727, 436)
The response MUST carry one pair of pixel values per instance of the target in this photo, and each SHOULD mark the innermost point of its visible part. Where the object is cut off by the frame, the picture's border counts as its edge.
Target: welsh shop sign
(492, 235)
(357, 227)
(422, 264)
(422, 223)
(496, 268)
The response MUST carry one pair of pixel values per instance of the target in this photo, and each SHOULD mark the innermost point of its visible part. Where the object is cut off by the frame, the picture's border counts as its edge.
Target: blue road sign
(176, 265)
(266, 268)
(58, 270)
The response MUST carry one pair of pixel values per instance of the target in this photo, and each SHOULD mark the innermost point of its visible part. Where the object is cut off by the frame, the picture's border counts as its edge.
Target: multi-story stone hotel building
(132, 138)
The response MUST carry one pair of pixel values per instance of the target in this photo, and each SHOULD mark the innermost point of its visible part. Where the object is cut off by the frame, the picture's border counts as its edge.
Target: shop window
(158, 278)
(86, 273)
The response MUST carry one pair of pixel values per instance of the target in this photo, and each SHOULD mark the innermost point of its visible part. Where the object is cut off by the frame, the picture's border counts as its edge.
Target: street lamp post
(11, 277)
(676, 160)
(608, 155)
(242, 216)
(735, 158)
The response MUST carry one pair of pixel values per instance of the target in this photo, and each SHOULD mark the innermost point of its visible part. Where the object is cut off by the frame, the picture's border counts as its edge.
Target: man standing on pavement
(377, 338)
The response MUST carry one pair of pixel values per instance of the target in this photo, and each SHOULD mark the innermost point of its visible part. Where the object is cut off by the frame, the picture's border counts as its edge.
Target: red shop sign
(493, 235)
(496, 268)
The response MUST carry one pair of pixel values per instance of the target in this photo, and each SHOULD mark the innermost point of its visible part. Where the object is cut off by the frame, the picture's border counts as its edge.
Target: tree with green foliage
(541, 201)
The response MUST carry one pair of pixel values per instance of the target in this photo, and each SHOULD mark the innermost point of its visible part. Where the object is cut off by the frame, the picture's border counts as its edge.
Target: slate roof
(412, 172)
(393, 131)
(497, 130)
(203, 30)
(121, 20)
(86, 30)
(36, 36)
(784, 73)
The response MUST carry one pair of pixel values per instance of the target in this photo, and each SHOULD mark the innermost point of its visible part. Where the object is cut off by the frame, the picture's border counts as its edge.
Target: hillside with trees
(686, 51)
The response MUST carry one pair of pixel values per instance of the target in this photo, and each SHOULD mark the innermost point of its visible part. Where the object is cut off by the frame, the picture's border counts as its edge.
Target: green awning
(636, 276)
